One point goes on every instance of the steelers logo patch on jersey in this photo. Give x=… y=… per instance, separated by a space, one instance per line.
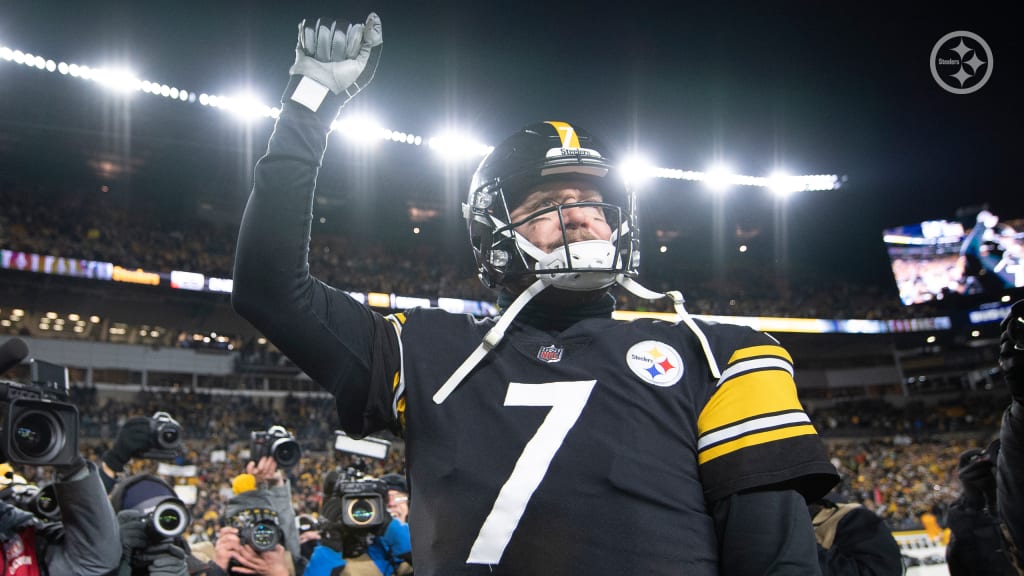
x=655 y=362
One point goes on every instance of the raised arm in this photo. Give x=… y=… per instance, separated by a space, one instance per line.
x=326 y=333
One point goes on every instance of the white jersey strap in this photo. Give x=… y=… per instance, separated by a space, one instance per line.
x=684 y=316
x=491 y=339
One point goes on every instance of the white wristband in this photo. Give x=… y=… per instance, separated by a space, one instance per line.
x=310 y=93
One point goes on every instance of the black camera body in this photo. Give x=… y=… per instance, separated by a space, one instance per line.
x=40 y=501
x=277 y=443
x=258 y=528
x=166 y=437
x=39 y=427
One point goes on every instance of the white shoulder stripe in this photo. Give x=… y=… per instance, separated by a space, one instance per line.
x=755 y=425
x=755 y=364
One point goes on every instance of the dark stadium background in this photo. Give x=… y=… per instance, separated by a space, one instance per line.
x=813 y=87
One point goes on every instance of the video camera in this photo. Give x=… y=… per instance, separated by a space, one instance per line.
x=363 y=501
x=166 y=437
x=40 y=428
x=40 y=501
x=277 y=443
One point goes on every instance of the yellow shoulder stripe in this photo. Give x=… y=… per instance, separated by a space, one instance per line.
x=764 y=350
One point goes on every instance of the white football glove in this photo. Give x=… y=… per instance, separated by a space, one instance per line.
x=339 y=56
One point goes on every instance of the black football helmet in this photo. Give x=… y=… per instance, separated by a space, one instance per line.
x=538 y=153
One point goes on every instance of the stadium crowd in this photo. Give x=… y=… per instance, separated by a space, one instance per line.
x=94 y=226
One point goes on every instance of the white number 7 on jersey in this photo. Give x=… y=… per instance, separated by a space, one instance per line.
x=567 y=400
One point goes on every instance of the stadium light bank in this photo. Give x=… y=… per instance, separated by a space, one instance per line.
x=447 y=146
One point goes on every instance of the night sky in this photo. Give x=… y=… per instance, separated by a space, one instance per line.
x=812 y=88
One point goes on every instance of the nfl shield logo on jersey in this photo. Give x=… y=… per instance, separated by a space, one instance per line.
x=550 y=353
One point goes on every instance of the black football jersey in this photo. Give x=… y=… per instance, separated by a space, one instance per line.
x=589 y=451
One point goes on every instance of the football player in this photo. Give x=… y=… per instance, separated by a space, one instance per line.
x=552 y=439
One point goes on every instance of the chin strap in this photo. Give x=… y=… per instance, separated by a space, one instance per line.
x=684 y=316
x=491 y=339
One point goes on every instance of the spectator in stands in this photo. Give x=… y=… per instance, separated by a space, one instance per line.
x=1010 y=462
x=853 y=541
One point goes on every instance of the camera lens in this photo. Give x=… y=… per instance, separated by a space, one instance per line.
x=362 y=511
x=264 y=536
x=36 y=435
x=287 y=453
x=168 y=436
x=170 y=518
x=46 y=502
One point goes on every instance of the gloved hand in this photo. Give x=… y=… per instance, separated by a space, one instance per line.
x=165 y=560
x=134 y=438
x=1011 y=358
x=161 y=559
x=338 y=56
x=133 y=532
x=977 y=475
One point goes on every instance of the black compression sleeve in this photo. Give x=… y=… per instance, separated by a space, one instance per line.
x=765 y=532
x=330 y=336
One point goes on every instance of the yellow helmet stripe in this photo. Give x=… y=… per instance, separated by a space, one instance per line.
x=568 y=134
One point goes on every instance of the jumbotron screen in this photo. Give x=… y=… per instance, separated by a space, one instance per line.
x=937 y=259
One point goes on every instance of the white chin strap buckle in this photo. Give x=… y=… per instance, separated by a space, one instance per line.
x=592 y=262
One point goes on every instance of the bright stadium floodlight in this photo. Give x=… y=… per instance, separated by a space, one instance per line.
x=454 y=146
x=450 y=146
x=117 y=79
x=718 y=178
x=783 y=185
x=246 y=105
x=359 y=129
x=636 y=171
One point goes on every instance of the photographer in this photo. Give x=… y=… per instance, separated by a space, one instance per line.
x=383 y=547
x=1010 y=462
x=84 y=542
x=278 y=488
x=153 y=521
x=251 y=539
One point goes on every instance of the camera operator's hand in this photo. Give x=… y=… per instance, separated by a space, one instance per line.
x=1011 y=358
x=265 y=471
x=330 y=534
x=246 y=560
x=165 y=560
x=133 y=439
x=337 y=56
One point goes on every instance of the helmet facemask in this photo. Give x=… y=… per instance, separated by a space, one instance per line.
x=507 y=259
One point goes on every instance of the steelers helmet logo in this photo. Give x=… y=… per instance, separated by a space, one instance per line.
x=655 y=363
